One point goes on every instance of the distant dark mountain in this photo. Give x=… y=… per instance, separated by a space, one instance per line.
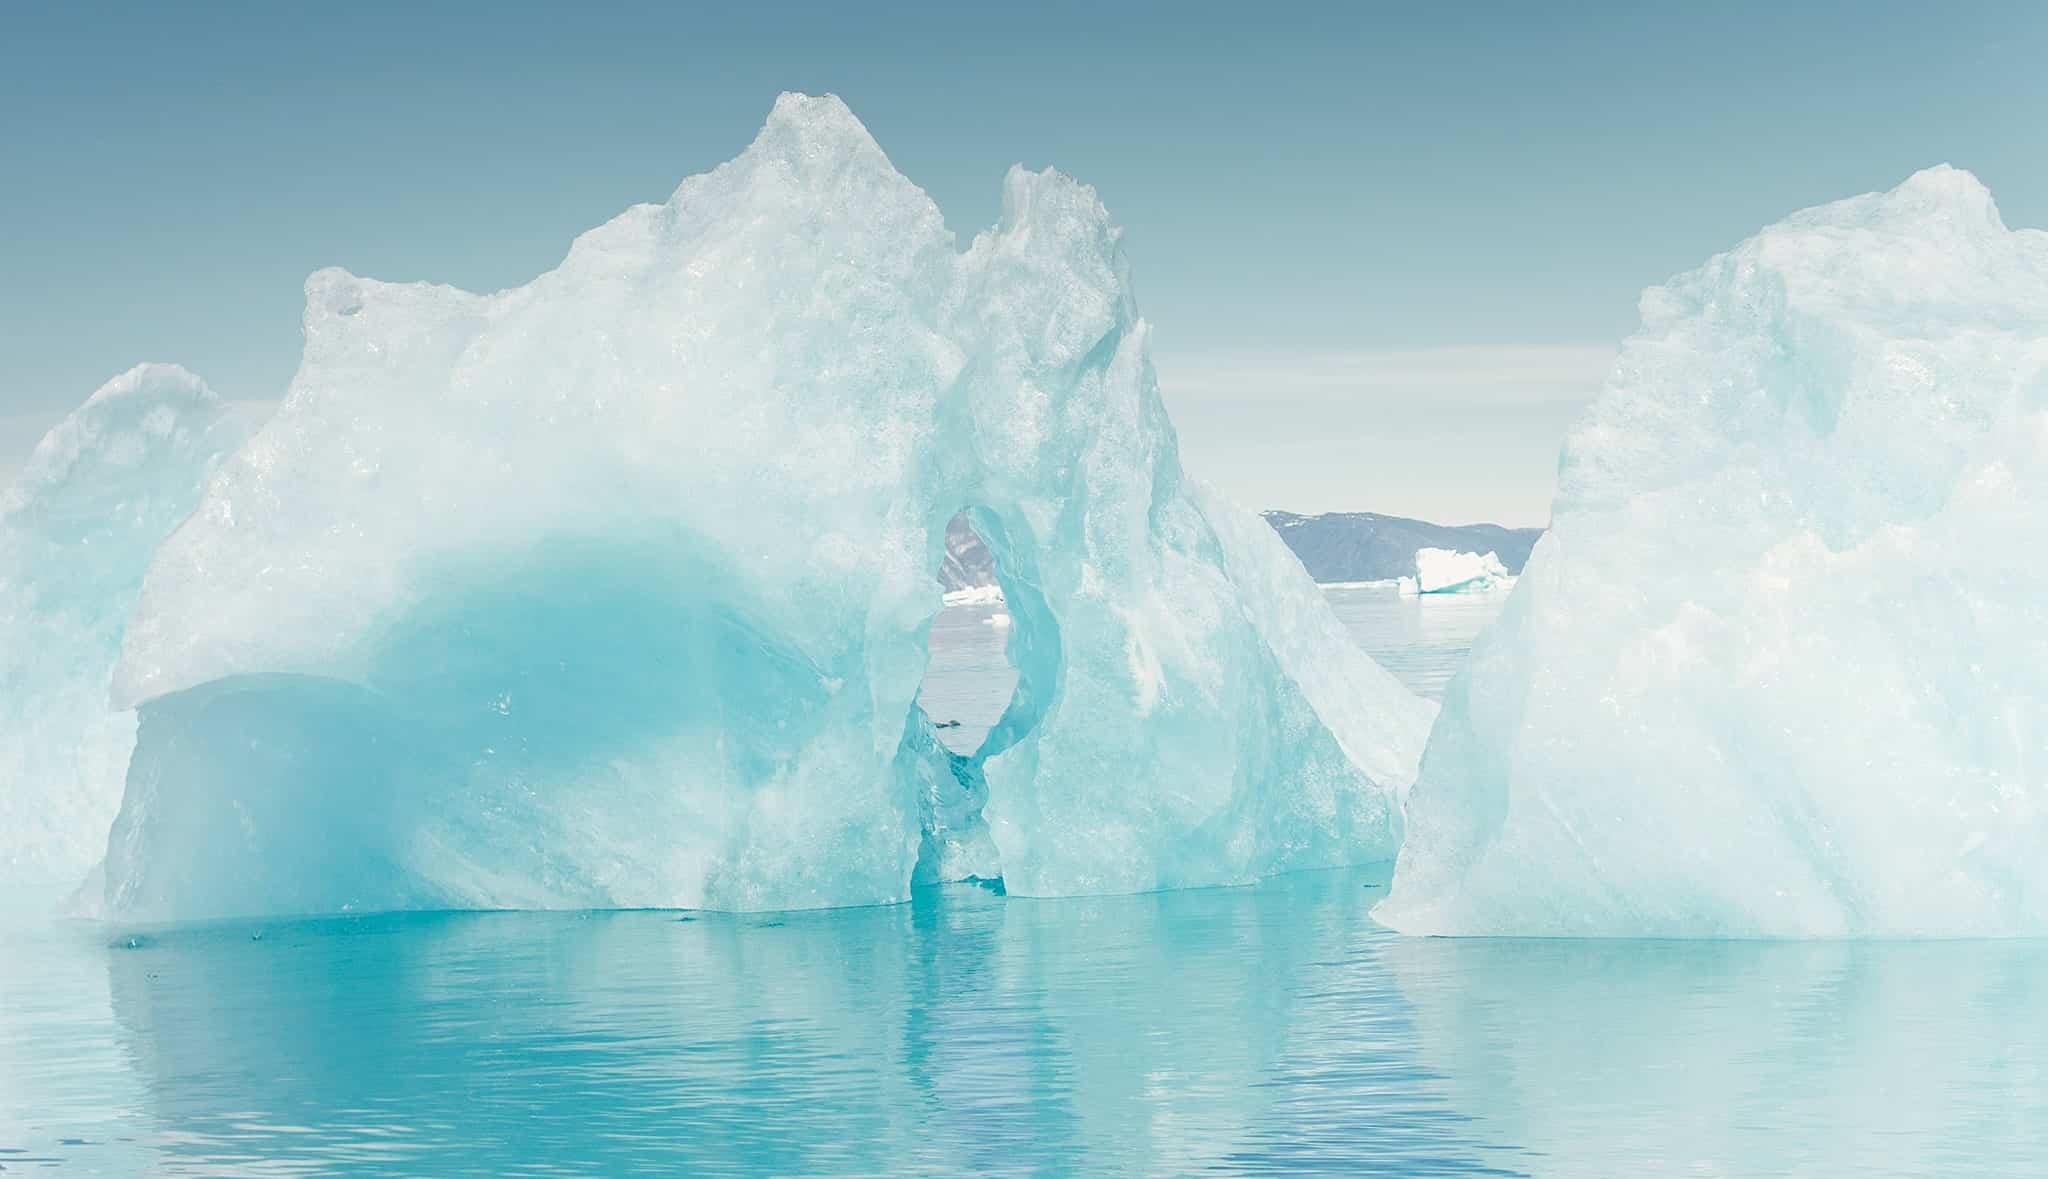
x=967 y=563
x=1365 y=546
x=1336 y=546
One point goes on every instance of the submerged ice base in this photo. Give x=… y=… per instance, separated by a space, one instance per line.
x=1777 y=669
x=612 y=589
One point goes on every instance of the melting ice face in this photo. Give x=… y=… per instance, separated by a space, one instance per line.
x=77 y=529
x=1778 y=666
x=612 y=589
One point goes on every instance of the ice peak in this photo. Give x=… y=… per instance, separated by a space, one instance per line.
x=152 y=379
x=1942 y=202
x=816 y=132
x=137 y=409
x=1948 y=192
x=1944 y=182
x=823 y=113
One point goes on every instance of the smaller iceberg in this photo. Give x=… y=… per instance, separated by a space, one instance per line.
x=1447 y=571
x=975 y=595
x=1780 y=666
x=100 y=493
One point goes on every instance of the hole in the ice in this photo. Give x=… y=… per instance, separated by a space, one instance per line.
x=969 y=680
x=993 y=666
x=1031 y=643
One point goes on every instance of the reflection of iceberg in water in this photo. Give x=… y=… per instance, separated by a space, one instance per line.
x=598 y=1043
x=961 y=1034
x=1203 y=1023
x=65 y=1070
x=1721 y=1058
x=1230 y=1031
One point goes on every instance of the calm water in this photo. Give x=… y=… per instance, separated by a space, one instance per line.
x=1256 y=1031
x=969 y=679
x=1423 y=640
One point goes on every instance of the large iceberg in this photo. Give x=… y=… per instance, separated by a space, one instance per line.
x=1780 y=666
x=77 y=529
x=612 y=589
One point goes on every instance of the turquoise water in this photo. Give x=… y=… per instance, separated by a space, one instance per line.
x=1255 y=1031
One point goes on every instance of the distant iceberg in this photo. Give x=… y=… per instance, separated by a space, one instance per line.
x=976 y=595
x=1446 y=571
x=1340 y=550
x=1366 y=548
x=1780 y=666
x=612 y=589
x=77 y=528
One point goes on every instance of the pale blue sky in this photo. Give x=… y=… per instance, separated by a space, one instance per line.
x=1386 y=247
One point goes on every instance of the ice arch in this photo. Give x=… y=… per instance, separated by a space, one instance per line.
x=612 y=589
x=1033 y=641
x=955 y=843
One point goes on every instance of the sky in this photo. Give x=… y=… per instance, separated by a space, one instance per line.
x=1387 y=250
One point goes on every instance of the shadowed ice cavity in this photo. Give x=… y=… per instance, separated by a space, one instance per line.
x=422 y=783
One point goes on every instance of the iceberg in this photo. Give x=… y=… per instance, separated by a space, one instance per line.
x=976 y=595
x=1447 y=571
x=100 y=493
x=612 y=589
x=1780 y=666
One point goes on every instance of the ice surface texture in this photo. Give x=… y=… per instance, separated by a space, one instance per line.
x=612 y=589
x=77 y=529
x=1780 y=666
